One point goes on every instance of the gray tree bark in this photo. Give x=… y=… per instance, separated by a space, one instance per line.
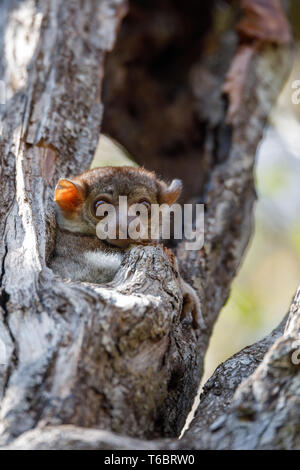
x=88 y=363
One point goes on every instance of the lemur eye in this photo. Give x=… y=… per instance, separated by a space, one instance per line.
x=98 y=204
x=146 y=203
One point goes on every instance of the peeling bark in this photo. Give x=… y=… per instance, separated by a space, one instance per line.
x=86 y=361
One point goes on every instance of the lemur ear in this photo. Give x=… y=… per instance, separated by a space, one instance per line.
x=170 y=194
x=69 y=195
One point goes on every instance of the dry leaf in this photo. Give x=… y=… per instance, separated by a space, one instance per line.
x=264 y=20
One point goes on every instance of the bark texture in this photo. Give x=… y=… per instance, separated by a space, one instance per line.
x=85 y=362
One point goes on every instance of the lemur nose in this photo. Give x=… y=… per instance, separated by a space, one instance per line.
x=122 y=228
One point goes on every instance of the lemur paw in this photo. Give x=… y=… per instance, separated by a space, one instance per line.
x=191 y=304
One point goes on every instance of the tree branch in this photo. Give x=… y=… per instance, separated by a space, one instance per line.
x=114 y=357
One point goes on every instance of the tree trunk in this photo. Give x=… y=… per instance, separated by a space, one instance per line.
x=85 y=358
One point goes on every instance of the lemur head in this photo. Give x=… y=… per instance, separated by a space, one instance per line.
x=79 y=198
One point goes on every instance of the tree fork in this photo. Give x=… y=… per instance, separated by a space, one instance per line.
x=87 y=361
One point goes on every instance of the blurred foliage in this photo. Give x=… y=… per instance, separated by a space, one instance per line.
x=294 y=236
x=294 y=17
